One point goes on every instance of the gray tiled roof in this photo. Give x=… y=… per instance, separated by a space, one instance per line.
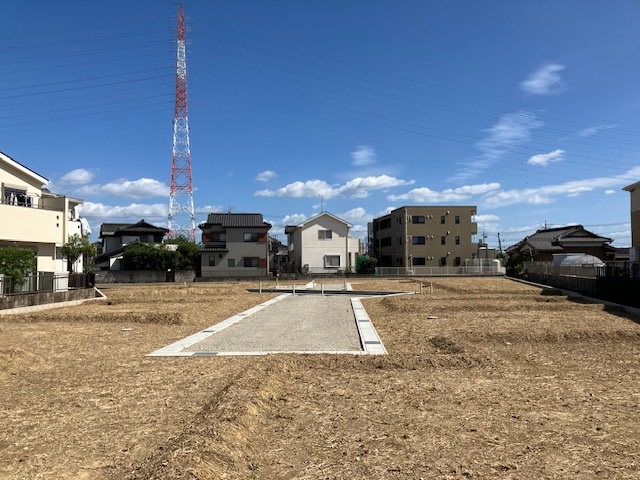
x=110 y=229
x=237 y=220
x=551 y=239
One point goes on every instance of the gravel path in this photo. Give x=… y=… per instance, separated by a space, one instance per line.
x=297 y=323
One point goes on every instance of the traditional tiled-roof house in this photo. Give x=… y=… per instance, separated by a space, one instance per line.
x=546 y=242
x=116 y=237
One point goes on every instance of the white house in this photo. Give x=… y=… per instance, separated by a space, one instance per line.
x=322 y=244
x=32 y=217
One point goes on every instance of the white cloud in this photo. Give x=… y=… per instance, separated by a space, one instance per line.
x=588 y=132
x=510 y=131
x=117 y=214
x=363 y=156
x=206 y=209
x=357 y=188
x=609 y=192
x=266 y=176
x=293 y=219
x=426 y=195
x=545 y=159
x=547 y=194
x=79 y=176
x=137 y=189
x=356 y=215
x=488 y=217
x=546 y=80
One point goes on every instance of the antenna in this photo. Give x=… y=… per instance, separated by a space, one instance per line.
x=181 y=221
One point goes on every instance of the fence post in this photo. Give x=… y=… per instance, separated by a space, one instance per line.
x=260 y=288
x=322 y=288
x=294 y=289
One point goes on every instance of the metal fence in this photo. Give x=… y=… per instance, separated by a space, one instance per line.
x=46 y=282
x=611 y=269
x=439 y=271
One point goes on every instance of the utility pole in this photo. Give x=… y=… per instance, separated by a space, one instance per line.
x=499 y=243
x=181 y=220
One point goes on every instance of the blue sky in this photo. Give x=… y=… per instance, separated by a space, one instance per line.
x=529 y=110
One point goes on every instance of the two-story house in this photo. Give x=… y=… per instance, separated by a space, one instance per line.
x=425 y=236
x=115 y=237
x=32 y=217
x=322 y=244
x=234 y=245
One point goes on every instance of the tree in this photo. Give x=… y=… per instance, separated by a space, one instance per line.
x=366 y=265
x=76 y=247
x=515 y=263
x=17 y=263
x=187 y=251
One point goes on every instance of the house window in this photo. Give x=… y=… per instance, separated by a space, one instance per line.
x=385 y=242
x=399 y=220
x=212 y=260
x=457 y=219
x=325 y=234
x=457 y=240
x=332 y=261
x=417 y=261
x=231 y=262
x=457 y=262
x=218 y=237
x=443 y=240
x=399 y=240
x=443 y=219
x=416 y=240
x=251 y=237
x=443 y=261
x=417 y=219
x=251 y=262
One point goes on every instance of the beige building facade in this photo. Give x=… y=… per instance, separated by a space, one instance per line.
x=634 y=190
x=425 y=236
x=32 y=217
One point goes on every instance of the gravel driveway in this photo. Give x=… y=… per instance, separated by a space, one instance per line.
x=309 y=323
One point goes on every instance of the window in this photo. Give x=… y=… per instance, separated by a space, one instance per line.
x=443 y=219
x=457 y=219
x=251 y=237
x=385 y=242
x=231 y=263
x=399 y=240
x=417 y=219
x=325 y=234
x=251 y=262
x=457 y=262
x=416 y=240
x=457 y=240
x=417 y=261
x=399 y=260
x=386 y=223
x=443 y=240
x=332 y=260
x=212 y=260
x=443 y=261
x=399 y=220
x=218 y=236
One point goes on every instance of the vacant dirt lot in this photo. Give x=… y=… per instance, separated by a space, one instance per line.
x=485 y=378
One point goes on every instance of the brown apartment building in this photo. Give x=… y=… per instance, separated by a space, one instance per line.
x=425 y=236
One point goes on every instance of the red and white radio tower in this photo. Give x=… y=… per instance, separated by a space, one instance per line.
x=182 y=220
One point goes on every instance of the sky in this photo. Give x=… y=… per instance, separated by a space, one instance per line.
x=528 y=110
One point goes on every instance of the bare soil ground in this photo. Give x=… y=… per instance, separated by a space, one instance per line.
x=485 y=378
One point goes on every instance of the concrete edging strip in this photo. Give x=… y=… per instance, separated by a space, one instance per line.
x=176 y=349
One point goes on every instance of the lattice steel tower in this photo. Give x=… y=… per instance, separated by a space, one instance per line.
x=182 y=220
